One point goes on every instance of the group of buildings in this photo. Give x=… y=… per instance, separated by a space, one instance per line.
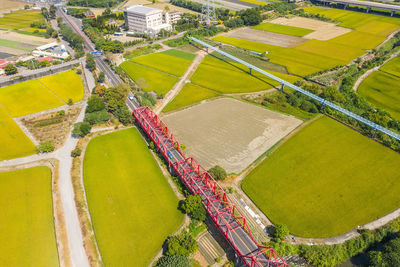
x=141 y=19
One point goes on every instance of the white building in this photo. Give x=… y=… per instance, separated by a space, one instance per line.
x=143 y=19
x=172 y=17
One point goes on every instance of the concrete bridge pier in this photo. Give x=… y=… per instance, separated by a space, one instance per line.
x=345 y=7
x=281 y=89
x=250 y=71
x=392 y=13
x=368 y=9
x=374 y=133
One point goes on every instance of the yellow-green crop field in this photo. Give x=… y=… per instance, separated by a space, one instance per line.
x=297 y=61
x=132 y=206
x=172 y=61
x=315 y=55
x=326 y=180
x=392 y=67
x=256 y=2
x=65 y=85
x=190 y=94
x=27 y=226
x=13 y=142
x=354 y=20
x=383 y=90
x=149 y=79
x=283 y=29
x=41 y=94
x=20 y=19
x=229 y=77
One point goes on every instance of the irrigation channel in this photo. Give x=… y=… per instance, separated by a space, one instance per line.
x=323 y=102
x=220 y=208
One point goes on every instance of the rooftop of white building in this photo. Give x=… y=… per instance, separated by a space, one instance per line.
x=142 y=9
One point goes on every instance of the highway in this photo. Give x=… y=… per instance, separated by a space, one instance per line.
x=366 y=4
x=112 y=78
x=218 y=205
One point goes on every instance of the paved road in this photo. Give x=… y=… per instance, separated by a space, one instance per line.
x=393 y=8
x=76 y=25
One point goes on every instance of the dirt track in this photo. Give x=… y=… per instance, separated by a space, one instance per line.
x=265 y=37
x=228 y=132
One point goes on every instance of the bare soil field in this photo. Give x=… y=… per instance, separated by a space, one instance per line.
x=8 y=5
x=322 y=30
x=8 y=51
x=271 y=38
x=228 y=132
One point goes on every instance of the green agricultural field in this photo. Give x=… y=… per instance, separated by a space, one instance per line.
x=13 y=142
x=383 y=90
x=392 y=67
x=27 y=227
x=326 y=180
x=172 y=62
x=20 y=19
x=149 y=79
x=230 y=77
x=132 y=206
x=297 y=61
x=284 y=29
x=190 y=94
x=73 y=88
x=354 y=20
x=330 y=50
x=357 y=39
x=27 y=97
x=41 y=94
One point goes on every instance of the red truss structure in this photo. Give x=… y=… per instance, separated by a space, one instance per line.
x=220 y=208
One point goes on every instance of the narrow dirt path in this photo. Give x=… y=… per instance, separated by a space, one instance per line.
x=179 y=85
x=368 y=72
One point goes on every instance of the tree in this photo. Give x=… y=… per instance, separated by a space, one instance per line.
x=90 y=63
x=76 y=152
x=45 y=13
x=81 y=129
x=173 y=261
x=27 y=7
x=166 y=8
x=101 y=77
x=45 y=147
x=281 y=231
x=375 y=258
x=182 y=245
x=217 y=172
x=52 y=11
x=251 y=17
x=97 y=117
x=10 y=69
x=70 y=102
x=95 y=103
x=194 y=207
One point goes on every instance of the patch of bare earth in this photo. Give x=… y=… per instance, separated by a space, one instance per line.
x=271 y=38
x=58 y=128
x=228 y=132
x=25 y=39
x=8 y=5
x=322 y=30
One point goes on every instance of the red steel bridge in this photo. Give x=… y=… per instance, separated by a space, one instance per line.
x=220 y=209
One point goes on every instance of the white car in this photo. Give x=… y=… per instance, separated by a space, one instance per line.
x=131 y=97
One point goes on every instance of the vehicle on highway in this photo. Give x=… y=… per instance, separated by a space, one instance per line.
x=169 y=155
x=131 y=97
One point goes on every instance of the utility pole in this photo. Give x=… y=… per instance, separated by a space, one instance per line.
x=207 y=13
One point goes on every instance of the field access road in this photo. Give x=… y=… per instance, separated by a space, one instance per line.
x=182 y=81
x=63 y=155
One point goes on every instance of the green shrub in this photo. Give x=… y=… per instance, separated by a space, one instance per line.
x=173 y=261
x=194 y=207
x=97 y=117
x=182 y=245
x=81 y=129
x=76 y=152
x=48 y=122
x=217 y=172
x=61 y=113
x=45 y=147
x=95 y=103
